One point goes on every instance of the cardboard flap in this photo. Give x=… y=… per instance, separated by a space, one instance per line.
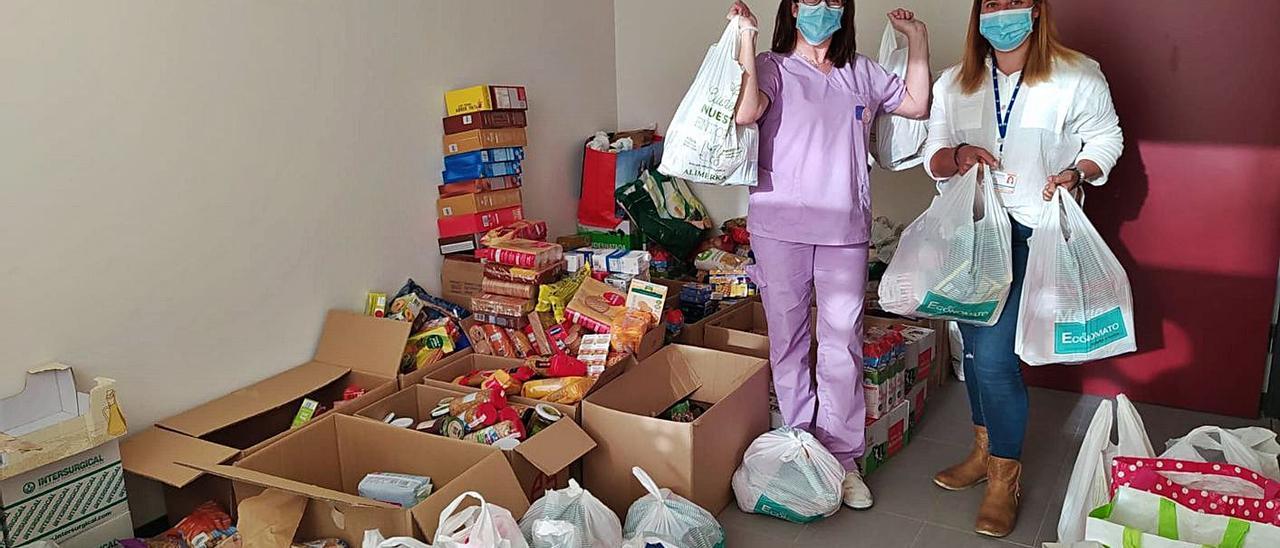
x=48 y=398
x=652 y=386
x=154 y=453
x=254 y=400
x=556 y=447
x=268 y=481
x=682 y=381
x=363 y=343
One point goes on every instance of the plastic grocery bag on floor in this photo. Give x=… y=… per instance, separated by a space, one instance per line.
x=789 y=475
x=550 y=533
x=665 y=518
x=897 y=142
x=955 y=261
x=1139 y=519
x=594 y=524
x=1254 y=448
x=1090 y=483
x=704 y=142
x=1076 y=304
x=483 y=526
x=373 y=539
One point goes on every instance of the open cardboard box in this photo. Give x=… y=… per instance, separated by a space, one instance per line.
x=326 y=460
x=745 y=330
x=444 y=375
x=692 y=334
x=541 y=462
x=354 y=350
x=695 y=460
x=60 y=473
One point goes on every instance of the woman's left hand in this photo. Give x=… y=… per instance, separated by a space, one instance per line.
x=1068 y=180
x=904 y=21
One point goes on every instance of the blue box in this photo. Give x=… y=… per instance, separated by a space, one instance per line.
x=488 y=156
x=481 y=171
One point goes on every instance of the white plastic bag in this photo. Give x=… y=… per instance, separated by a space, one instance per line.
x=789 y=475
x=1254 y=448
x=955 y=261
x=550 y=533
x=483 y=526
x=957 y=349
x=595 y=524
x=897 y=141
x=669 y=519
x=1076 y=303
x=704 y=142
x=1090 y=483
x=373 y=539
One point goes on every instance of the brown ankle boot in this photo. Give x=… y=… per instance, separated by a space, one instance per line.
x=999 y=511
x=971 y=471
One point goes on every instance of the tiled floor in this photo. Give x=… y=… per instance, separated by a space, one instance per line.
x=911 y=512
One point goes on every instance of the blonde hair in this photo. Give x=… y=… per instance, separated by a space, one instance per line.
x=1046 y=50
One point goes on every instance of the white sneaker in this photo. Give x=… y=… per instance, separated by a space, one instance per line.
x=855 y=492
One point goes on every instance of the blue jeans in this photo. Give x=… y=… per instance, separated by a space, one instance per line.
x=992 y=373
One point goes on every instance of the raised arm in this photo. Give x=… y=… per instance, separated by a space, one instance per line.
x=751 y=101
x=915 y=104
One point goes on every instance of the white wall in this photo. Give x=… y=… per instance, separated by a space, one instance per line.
x=186 y=187
x=662 y=42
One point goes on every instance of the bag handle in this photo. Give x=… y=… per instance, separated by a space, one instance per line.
x=647 y=482
x=1167 y=519
x=1237 y=531
x=453 y=506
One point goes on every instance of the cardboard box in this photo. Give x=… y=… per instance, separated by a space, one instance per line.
x=460 y=278
x=102 y=535
x=479 y=139
x=745 y=330
x=493 y=119
x=885 y=438
x=467 y=225
x=485 y=98
x=479 y=185
x=695 y=460
x=326 y=460
x=475 y=203
x=60 y=472
x=940 y=361
x=918 y=399
x=354 y=350
x=443 y=376
x=542 y=462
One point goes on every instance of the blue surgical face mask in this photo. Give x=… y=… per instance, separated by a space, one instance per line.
x=1006 y=30
x=818 y=23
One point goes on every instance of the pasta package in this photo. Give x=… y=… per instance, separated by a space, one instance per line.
x=565 y=390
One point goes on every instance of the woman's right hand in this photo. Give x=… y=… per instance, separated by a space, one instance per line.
x=740 y=9
x=968 y=156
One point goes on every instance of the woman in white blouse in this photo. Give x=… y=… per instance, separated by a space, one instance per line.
x=1039 y=116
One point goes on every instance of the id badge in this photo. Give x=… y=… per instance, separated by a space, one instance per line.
x=1005 y=182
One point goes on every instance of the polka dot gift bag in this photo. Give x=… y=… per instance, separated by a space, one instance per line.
x=1209 y=488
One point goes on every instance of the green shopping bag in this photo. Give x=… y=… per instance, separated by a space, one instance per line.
x=1137 y=519
x=665 y=211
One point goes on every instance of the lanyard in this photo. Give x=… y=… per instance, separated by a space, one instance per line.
x=1002 y=121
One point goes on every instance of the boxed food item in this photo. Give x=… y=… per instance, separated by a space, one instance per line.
x=525 y=229
x=479 y=185
x=886 y=437
x=354 y=351
x=501 y=320
x=487 y=156
x=501 y=304
x=481 y=171
x=485 y=98
x=695 y=459
x=918 y=400
x=535 y=276
x=493 y=119
x=465 y=225
x=466 y=244
x=461 y=277
x=596 y=305
x=325 y=462
x=540 y=462
x=520 y=252
x=60 y=473
x=478 y=139
x=474 y=203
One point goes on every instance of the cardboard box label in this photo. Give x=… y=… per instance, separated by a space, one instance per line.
x=59 y=500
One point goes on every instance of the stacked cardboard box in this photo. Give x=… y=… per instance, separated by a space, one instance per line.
x=484 y=154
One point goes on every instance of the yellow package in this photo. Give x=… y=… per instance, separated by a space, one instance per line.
x=628 y=329
x=565 y=390
x=555 y=297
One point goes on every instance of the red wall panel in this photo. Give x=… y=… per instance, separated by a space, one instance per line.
x=1193 y=209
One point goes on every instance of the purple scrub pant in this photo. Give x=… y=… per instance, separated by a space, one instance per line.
x=833 y=409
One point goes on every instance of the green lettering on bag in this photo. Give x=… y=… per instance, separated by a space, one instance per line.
x=1083 y=338
x=768 y=507
x=938 y=306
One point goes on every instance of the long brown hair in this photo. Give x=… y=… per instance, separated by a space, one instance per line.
x=844 y=44
x=1046 y=49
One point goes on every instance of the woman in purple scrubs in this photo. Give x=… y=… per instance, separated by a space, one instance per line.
x=815 y=99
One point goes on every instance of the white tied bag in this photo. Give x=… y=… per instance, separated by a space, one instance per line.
x=704 y=143
x=1076 y=302
x=789 y=475
x=1254 y=448
x=1090 y=483
x=665 y=517
x=955 y=261
x=897 y=141
x=482 y=526
x=595 y=525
